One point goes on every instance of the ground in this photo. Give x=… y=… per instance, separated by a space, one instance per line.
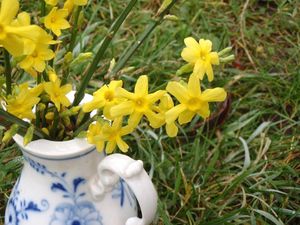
x=241 y=166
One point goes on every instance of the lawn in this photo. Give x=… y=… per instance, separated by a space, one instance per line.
x=242 y=165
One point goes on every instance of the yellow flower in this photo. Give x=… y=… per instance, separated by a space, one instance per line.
x=199 y=55
x=192 y=101
x=113 y=135
x=94 y=135
x=11 y=36
x=69 y=4
x=21 y=105
x=51 y=2
x=57 y=93
x=99 y=134
x=138 y=104
x=104 y=97
x=56 y=20
x=36 y=60
x=166 y=103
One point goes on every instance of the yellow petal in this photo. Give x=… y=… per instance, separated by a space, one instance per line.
x=9 y=9
x=214 y=58
x=191 y=43
x=13 y=44
x=206 y=46
x=214 y=95
x=209 y=71
x=124 y=108
x=178 y=90
x=122 y=93
x=172 y=114
x=190 y=55
x=134 y=119
x=155 y=120
x=141 y=86
x=92 y=105
x=115 y=83
x=171 y=129
x=99 y=146
x=186 y=117
x=122 y=144
x=110 y=147
x=26 y=63
x=39 y=65
x=194 y=85
x=126 y=130
x=199 y=69
x=23 y=19
x=154 y=97
x=204 y=111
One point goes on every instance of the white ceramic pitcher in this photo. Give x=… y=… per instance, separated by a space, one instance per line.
x=70 y=183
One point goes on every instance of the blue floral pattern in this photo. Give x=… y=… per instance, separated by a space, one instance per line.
x=123 y=192
x=19 y=209
x=75 y=210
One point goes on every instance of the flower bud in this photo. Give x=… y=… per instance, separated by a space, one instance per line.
x=10 y=133
x=227 y=59
x=171 y=18
x=224 y=51
x=28 y=136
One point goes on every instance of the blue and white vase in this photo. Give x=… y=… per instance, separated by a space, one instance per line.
x=70 y=183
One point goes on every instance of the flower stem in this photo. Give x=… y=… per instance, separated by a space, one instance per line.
x=15 y=120
x=105 y=43
x=84 y=126
x=7 y=72
x=132 y=48
x=75 y=29
x=43 y=7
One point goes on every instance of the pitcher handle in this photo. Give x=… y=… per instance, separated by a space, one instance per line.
x=114 y=166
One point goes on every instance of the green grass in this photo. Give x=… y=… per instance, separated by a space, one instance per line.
x=244 y=170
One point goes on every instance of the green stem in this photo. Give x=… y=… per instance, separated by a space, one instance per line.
x=105 y=43
x=132 y=48
x=7 y=72
x=84 y=126
x=15 y=120
x=55 y=124
x=74 y=30
x=43 y=8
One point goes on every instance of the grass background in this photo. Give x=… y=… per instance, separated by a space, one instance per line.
x=241 y=167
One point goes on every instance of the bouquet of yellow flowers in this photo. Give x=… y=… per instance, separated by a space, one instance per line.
x=41 y=108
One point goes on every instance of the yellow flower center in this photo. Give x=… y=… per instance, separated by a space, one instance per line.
x=193 y=104
x=140 y=104
x=109 y=96
x=34 y=54
x=53 y=20
x=2 y=32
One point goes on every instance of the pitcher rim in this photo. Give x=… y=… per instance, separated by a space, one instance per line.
x=48 y=149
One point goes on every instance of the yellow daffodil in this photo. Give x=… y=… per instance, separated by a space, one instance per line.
x=11 y=36
x=104 y=97
x=21 y=105
x=36 y=60
x=69 y=4
x=51 y=2
x=101 y=133
x=200 y=56
x=57 y=93
x=166 y=103
x=192 y=101
x=56 y=20
x=113 y=135
x=138 y=104
x=94 y=136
